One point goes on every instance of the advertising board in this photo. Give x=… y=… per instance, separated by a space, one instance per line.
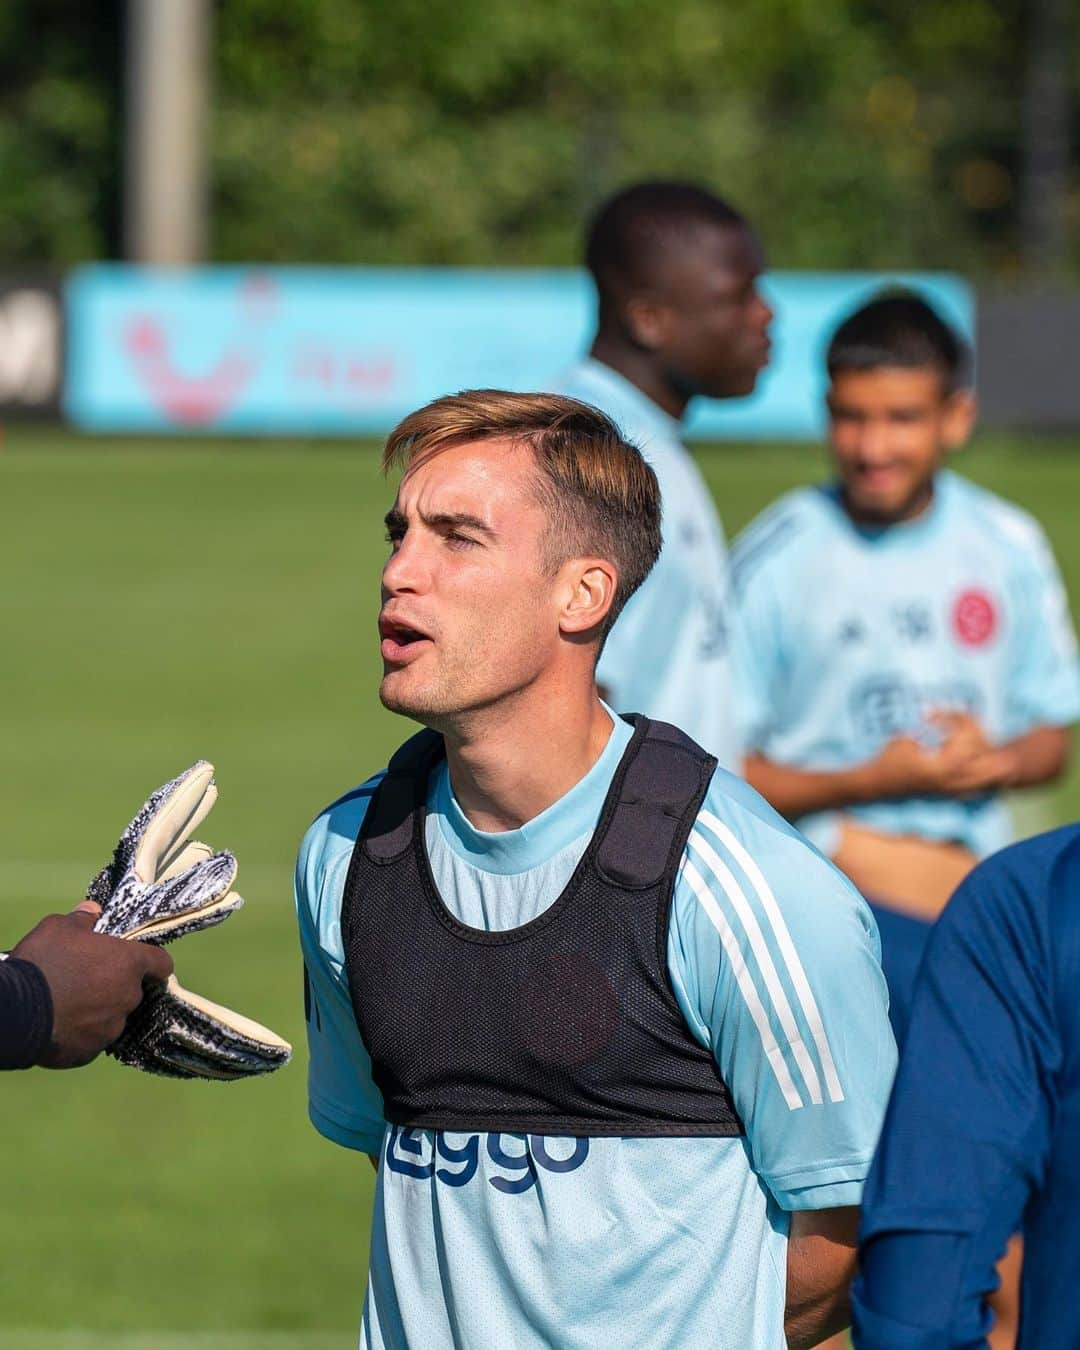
x=348 y=351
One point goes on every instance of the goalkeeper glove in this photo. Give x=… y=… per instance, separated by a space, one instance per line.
x=158 y=887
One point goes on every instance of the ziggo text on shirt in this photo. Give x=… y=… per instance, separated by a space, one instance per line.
x=455 y=1164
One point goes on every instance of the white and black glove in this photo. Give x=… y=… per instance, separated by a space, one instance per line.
x=159 y=887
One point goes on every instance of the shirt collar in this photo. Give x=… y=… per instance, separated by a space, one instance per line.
x=564 y=821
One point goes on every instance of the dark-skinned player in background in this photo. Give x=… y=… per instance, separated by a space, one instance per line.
x=680 y=315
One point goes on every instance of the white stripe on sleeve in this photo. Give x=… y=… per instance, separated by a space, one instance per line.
x=787 y=949
x=745 y=984
x=762 y=955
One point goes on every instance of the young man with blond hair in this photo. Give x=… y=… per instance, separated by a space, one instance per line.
x=615 y=1036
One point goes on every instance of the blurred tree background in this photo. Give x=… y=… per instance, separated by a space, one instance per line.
x=857 y=133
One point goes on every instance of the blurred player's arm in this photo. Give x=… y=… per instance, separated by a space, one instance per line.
x=796 y=792
x=1040 y=756
x=963 y=763
x=820 y=1267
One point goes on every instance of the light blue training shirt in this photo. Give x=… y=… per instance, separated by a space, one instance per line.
x=849 y=636
x=494 y=1240
x=668 y=654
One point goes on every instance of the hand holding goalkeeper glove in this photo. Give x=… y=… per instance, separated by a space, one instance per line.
x=159 y=887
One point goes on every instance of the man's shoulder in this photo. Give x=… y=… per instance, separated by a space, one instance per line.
x=732 y=799
x=1010 y=527
x=640 y=420
x=739 y=835
x=1031 y=875
x=1014 y=920
x=575 y=380
x=330 y=837
x=758 y=909
x=776 y=539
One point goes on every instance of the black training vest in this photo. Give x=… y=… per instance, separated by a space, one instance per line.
x=564 y=1026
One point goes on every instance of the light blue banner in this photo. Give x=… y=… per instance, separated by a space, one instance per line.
x=349 y=351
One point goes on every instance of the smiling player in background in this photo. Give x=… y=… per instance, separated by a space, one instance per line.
x=905 y=650
x=680 y=316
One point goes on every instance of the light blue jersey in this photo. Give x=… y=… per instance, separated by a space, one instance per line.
x=495 y=1240
x=667 y=656
x=847 y=637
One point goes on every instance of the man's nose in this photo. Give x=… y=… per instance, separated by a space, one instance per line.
x=405 y=569
x=873 y=437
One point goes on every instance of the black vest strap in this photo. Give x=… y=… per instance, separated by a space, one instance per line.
x=645 y=835
x=392 y=814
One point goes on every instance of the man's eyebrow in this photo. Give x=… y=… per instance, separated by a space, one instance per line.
x=452 y=520
x=444 y=520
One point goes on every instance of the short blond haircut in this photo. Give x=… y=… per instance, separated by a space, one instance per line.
x=601 y=497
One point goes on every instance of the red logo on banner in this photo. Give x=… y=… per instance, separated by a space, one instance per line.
x=193 y=400
x=974 y=618
x=199 y=400
x=327 y=374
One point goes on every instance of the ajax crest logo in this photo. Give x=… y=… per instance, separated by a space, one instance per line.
x=974 y=617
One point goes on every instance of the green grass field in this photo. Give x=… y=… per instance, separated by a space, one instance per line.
x=162 y=602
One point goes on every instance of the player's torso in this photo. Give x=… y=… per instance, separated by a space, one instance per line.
x=486 y=1239
x=1052 y=1239
x=880 y=631
x=679 y=619
x=1052 y=1234
x=691 y=573
x=489 y=1240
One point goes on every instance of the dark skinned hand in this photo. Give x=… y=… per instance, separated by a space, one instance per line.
x=96 y=982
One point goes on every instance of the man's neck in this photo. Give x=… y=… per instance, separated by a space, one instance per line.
x=511 y=762
x=639 y=368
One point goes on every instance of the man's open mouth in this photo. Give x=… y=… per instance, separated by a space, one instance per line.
x=400 y=640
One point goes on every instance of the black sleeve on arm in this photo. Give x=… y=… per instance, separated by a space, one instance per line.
x=26 y=1014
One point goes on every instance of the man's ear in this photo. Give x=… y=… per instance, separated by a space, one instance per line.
x=589 y=593
x=961 y=412
x=646 y=321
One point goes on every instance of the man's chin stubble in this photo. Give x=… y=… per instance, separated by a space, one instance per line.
x=417 y=704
